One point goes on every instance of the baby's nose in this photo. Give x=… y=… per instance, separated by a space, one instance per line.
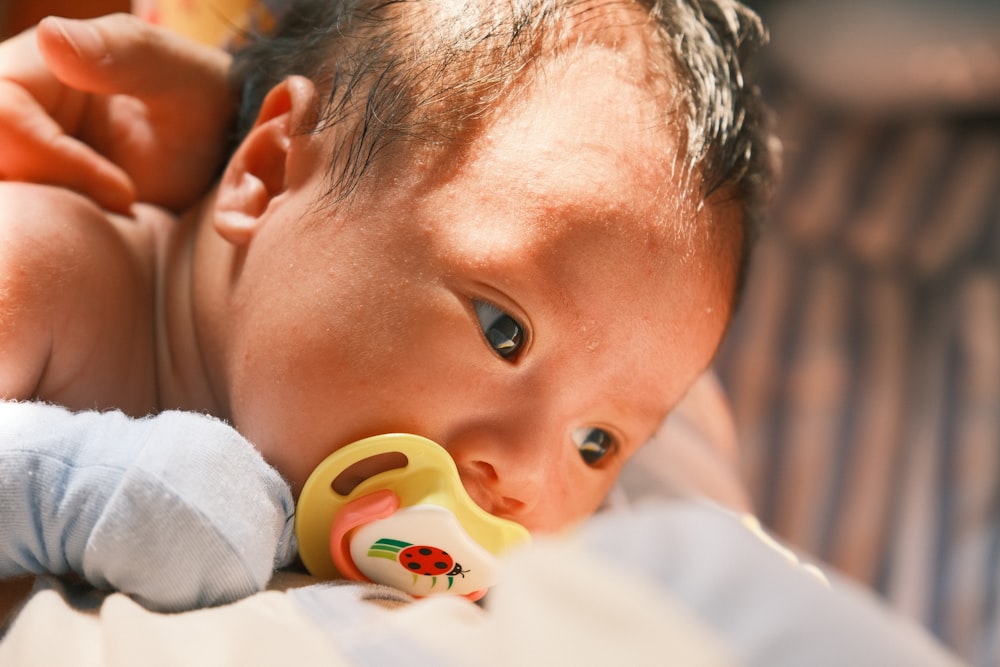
x=508 y=479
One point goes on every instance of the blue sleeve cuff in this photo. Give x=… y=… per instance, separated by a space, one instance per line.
x=177 y=509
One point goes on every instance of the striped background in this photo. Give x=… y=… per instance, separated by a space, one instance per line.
x=864 y=363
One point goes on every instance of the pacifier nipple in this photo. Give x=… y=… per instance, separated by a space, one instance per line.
x=392 y=509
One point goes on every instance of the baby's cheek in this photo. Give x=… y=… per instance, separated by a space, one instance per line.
x=563 y=510
x=285 y=448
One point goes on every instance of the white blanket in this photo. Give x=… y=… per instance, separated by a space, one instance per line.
x=674 y=583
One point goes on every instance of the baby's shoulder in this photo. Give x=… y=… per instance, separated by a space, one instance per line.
x=54 y=243
x=68 y=271
x=42 y=224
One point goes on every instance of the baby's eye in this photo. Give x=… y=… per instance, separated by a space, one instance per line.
x=593 y=443
x=504 y=334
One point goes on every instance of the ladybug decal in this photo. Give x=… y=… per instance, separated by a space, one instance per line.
x=428 y=561
x=418 y=559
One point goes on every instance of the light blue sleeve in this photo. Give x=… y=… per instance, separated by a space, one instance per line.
x=176 y=509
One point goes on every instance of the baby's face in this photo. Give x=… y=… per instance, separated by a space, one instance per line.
x=536 y=307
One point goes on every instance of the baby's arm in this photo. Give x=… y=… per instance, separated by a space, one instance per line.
x=176 y=509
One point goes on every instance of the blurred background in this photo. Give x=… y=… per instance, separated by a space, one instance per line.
x=16 y=15
x=864 y=364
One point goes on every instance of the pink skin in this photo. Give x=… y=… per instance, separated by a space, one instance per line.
x=312 y=327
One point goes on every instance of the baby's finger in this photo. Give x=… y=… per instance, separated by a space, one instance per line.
x=37 y=150
x=115 y=54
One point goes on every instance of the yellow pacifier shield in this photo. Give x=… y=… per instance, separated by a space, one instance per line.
x=437 y=523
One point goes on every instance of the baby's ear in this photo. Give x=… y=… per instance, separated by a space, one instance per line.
x=258 y=169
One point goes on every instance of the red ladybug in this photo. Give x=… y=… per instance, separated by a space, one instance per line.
x=429 y=561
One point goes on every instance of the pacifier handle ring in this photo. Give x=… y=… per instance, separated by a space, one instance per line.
x=426 y=461
x=476 y=596
x=421 y=460
x=358 y=512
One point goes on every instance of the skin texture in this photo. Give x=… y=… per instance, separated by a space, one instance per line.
x=310 y=326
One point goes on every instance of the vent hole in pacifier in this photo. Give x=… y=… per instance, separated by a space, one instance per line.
x=359 y=471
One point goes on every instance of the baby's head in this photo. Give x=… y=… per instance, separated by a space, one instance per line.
x=526 y=246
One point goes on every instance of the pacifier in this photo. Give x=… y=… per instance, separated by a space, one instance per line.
x=413 y=526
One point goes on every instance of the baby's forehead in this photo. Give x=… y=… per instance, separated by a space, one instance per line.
x=452 y=73
x=582 y=155
x=543 y=42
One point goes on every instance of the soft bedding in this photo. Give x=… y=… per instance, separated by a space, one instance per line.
x=672 y=582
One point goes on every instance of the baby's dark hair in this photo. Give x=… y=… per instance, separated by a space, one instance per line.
x=399 y=71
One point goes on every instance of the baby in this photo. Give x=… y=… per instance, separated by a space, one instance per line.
x=518 y=229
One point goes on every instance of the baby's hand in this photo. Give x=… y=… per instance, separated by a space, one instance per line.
x=114 y=108
x=38 y=118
